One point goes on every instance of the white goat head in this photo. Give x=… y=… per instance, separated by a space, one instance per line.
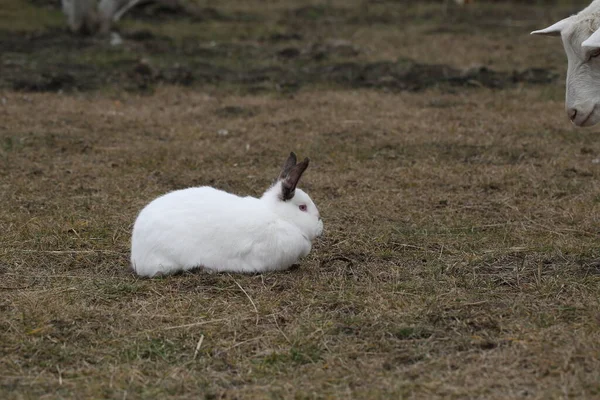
x=581 y=41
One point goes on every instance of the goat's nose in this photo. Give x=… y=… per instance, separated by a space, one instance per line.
x=572 y=112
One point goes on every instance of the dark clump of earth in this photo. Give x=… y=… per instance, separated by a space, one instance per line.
x=413 y=76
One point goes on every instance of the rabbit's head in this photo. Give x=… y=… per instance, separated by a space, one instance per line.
x=292 y=204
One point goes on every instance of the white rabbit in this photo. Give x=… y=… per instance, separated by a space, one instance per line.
x=209 y=228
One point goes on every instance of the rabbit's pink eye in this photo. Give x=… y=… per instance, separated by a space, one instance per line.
x=302 y=207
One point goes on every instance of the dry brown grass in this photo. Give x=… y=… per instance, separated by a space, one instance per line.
x=457 y=262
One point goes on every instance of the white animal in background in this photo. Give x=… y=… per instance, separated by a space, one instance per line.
x=81 y=15
x=581 y=41
x=209 y=228
x=89 y=16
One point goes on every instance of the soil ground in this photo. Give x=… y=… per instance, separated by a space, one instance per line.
x=461 y=208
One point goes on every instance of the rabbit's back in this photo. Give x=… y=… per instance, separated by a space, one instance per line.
x=207 y=227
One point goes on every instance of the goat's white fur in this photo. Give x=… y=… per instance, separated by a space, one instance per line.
x=80 y=14
x=90 y=14
x=581 y=41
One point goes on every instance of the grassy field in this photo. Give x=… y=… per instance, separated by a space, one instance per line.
x=461 y=209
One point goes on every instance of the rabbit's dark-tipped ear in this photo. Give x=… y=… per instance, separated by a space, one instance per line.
x=287 y=167
x=288 y=184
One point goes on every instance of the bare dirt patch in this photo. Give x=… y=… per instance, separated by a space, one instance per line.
x=281 y=50
x=139 y=72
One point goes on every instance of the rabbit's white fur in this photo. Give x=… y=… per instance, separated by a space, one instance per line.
x=219 y=231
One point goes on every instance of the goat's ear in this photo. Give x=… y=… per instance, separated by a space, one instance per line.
x=556 y=29
x=593 y=41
